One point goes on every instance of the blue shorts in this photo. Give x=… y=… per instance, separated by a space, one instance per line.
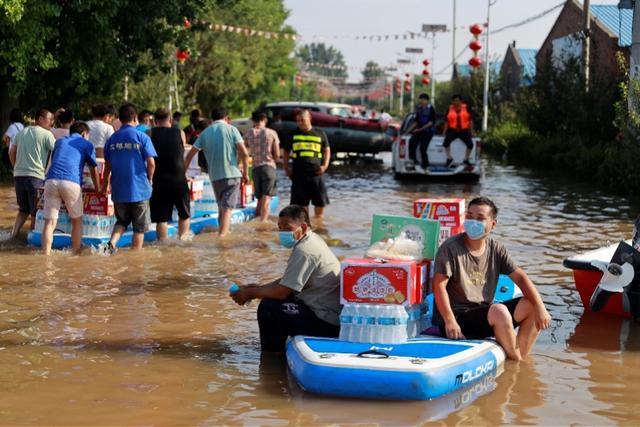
x=26 y=193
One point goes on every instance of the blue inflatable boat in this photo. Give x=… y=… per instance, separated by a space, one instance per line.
x=421 y=369
x=203 y=220
x=63 y=240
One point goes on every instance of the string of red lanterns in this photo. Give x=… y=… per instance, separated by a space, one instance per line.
x=475 y=45
x=426 y=73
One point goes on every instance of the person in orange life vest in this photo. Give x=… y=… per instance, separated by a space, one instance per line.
x=458 y=124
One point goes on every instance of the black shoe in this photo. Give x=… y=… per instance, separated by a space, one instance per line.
x=466 y=162
x=449 y=161
x=108 y=249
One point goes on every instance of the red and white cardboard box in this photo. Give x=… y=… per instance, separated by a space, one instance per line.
x=446 y=232
x=87 y=183
x=196 y=189
x=376 y=281
x=97 y=204
x=246 y=194
x=449 y=212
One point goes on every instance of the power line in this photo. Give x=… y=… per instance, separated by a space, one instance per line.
x=517 y=24
x=528 y=20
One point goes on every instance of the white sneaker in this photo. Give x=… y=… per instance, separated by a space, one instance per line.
x=419 y=169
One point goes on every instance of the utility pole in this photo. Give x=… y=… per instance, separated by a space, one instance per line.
x=485 y=96
x=453 y=48
x=586 y=47
x=634 y=57
x=433 y=75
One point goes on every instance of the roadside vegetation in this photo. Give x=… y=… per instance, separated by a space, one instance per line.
x=556 y=125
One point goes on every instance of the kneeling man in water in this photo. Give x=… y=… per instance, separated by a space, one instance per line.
x=464 y=286
x=306 y=299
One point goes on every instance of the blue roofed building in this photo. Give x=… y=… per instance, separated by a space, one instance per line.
x=465 y=70
x=518 y=68
x=610 y=33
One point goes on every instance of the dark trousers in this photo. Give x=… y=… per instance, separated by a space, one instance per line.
x=280 y=319
x=422 y=140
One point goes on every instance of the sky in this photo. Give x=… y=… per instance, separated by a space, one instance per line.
x=338 y=22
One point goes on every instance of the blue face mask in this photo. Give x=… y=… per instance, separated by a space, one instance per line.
x=287 y=238
x=474 y=229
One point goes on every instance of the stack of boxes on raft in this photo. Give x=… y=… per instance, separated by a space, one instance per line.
x=384 y=294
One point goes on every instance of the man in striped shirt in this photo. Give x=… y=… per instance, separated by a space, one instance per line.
x=309 y=149
x=264 y=146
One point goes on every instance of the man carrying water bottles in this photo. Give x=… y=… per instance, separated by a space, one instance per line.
x=306 y=299
x=464 y=285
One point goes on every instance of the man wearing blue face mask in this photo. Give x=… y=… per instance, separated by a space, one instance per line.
x=306 y=299
x=466 y=275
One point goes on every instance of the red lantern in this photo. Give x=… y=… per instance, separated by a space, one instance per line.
x=182 y=55
x=475 y=62
x=407 y=86
x=476 y=29
x=426 y=81
x=398 y=86
x=425 y=72
x=187 y=23
x=426 y=62
x=475 y=45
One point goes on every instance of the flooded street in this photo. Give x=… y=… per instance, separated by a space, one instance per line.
x=152 y=338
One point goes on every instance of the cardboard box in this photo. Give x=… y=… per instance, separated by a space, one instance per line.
x=375 y=281
x=87 y=183
x=446 y=232
x=449 y=212
x=424 y=231
x=97 y=204
x=196 y=189
x=246 y=194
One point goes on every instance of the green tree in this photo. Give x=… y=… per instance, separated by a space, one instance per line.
x=325 y=60
x=235 y=70
x=60 y=52
x=372 y=72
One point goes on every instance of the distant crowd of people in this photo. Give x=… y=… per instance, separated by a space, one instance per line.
x=145 y=166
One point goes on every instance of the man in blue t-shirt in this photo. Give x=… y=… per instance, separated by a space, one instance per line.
x=63 y=181
x=422 y=131
x=129 y=162
x=223 y=147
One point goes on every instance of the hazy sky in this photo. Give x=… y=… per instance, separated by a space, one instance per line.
x=349 y=18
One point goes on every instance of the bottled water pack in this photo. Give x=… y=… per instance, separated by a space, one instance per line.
x=97 y=225
x=374 y=323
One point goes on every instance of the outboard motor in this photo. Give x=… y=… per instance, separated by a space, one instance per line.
x=619 y=276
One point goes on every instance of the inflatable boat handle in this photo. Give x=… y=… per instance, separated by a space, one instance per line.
x=373 y=354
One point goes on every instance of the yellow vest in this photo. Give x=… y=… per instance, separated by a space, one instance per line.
x=306 y=146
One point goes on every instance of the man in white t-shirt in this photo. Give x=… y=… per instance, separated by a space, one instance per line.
x=100 y=128
x=16 y=126
x=10 y=135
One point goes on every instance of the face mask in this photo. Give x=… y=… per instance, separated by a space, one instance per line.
x=287 y=238
x=474 y=229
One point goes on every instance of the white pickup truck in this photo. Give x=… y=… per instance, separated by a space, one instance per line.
x=403 y=167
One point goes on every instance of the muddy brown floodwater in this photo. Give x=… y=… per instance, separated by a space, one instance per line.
x=152 y=338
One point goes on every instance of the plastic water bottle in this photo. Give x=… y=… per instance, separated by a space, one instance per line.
x=400 y=322
x=355 y=324
x=385 y=323
x=369 y=322
x=346 y=322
